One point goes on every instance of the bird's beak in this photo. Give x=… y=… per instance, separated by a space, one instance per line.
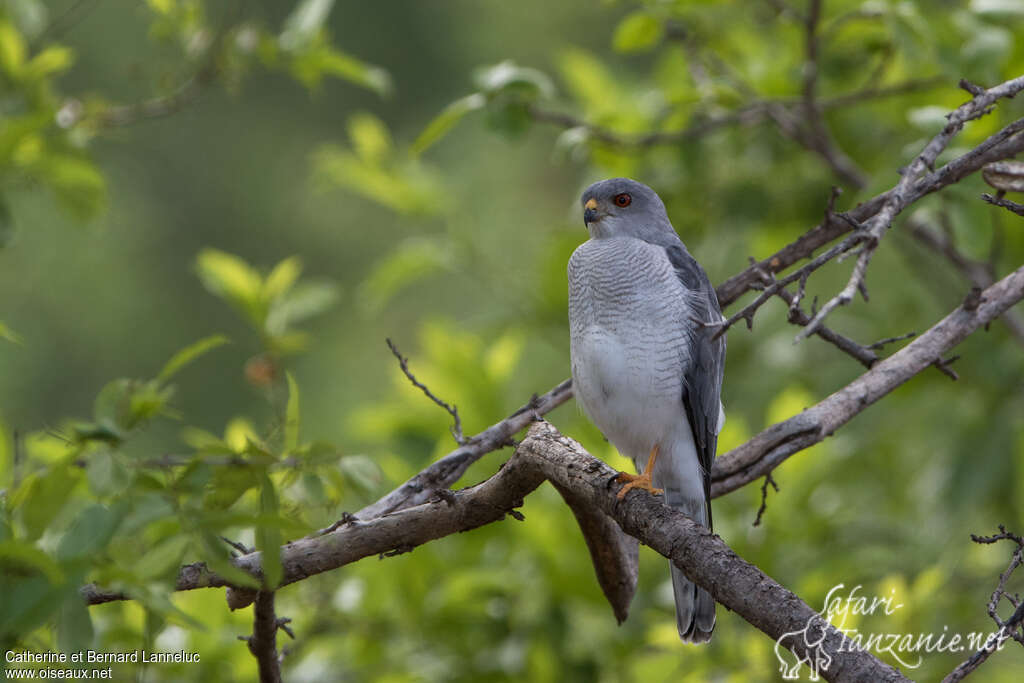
x=590 y=214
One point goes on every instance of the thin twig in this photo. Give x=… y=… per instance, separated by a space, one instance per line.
x=979 y=274
x=1005 y=203
x=764 y=496
x=889 y=340
x=1010 y=628
x=456 y=428
x=978 y=106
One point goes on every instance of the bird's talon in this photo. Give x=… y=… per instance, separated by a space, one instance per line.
x=636 y=481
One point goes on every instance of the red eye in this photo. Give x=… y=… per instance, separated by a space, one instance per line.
x=622 y=199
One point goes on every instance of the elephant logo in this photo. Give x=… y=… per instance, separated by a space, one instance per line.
x=812 y=638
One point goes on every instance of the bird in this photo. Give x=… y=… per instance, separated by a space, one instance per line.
x=647 y=364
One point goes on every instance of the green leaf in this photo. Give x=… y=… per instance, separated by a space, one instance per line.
x=508 y=76
x=21 y=556
x=361 y=471
x=164 y=7
x=446 y=120
x=107 y=474
x=370 y=137
x=282 y=277
x=113 y=404
x=305 y=300
x=304 y=23
x=323 y=60
x=12 y=49
x=77 y=184
x=637 y=32
x=291 y=419
x=164 y=558
x=314 y=488
x=228 y=485
x=268 y=536
x=50 y=61
x=88 y=534
x=232 y=279
x=9 y=334
x=219 y=561
x=189 y=354
x=349 y=68
x=41 y=497
x=74 y=625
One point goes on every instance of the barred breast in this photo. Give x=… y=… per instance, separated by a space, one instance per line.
x=629 y=320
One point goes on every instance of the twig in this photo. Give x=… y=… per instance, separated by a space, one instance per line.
x=763 y=453
x=997 y=200
x=863 y=354
x=456 y=428
x=764 y=496
x=1000 y=145
x=446 y=471
x=63 y=22
x=240 y=547
x=391 y=523
x=898 y=199
x=977 y=273
x=1011 y=628
x=183 y=95
x=753 y=112
x=889 y=340
x=263 y=641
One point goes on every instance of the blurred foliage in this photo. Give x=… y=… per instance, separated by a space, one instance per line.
x=419 y=223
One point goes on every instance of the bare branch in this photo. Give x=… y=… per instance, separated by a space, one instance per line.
x=889 y=340
x=393 y=524
x=456 y=428
x=446 y=471
x=997 y=200
x=754 y=112
x=863 y=354
x=1001 y=145
x=546 y=454
x=900 y=196
x=1011 y=628
x=263 y=641
x=979 y=274
x=767 y=450
x=764 y=497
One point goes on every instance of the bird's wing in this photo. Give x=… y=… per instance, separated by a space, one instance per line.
x=702 y=373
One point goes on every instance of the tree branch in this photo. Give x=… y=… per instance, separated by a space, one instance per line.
x=1001 y=145
x=977 y=273
x=456 y=428
x=546 y=454
x=763 y=453
x=399 y=527
x=1012 y=627
x=900 y=196
x=263 y=641
x=448 y=470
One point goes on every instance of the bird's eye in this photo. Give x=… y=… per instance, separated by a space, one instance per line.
x=622 y=199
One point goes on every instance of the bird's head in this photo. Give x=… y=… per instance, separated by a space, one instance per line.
x=621 y=207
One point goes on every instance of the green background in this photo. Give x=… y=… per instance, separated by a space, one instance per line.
x=458 y=254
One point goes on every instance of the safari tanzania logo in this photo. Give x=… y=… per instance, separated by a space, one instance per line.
x=907 y=649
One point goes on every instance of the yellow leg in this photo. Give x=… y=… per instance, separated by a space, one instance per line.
x=642 y=480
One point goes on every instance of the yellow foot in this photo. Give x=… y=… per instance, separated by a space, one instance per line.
x=640 y=481
x=636 y=481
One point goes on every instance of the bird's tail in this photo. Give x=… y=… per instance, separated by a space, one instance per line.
x=695 y=609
